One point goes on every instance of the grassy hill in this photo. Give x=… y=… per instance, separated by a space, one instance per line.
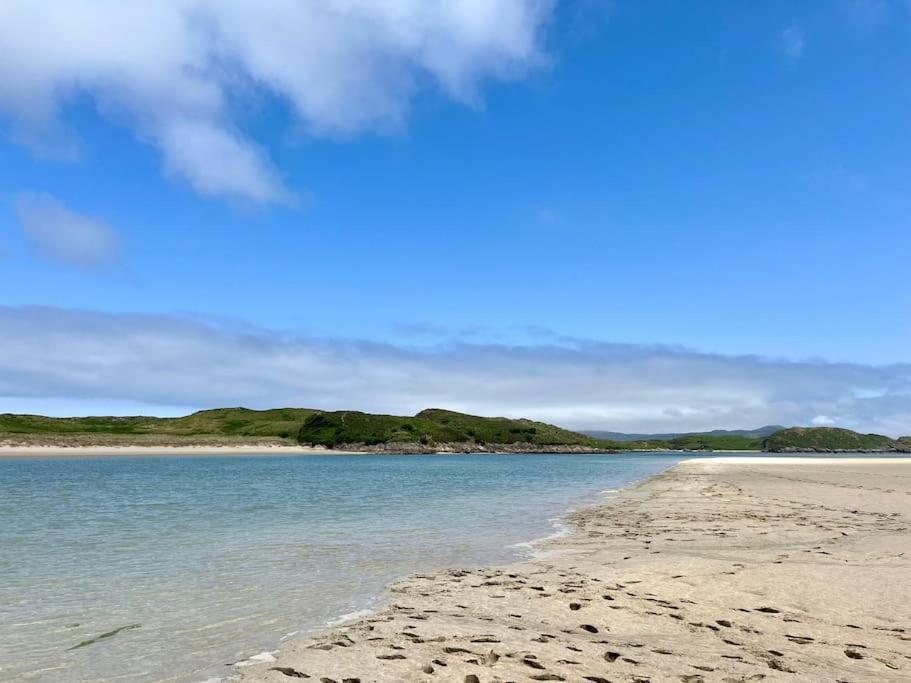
x=221 y=425
x=428 y=431
x=758 y=433
x=432 y=428
x=830 y=439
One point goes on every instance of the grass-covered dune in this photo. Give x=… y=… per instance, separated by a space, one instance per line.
x=221 y=425
x=824 y=439
x=434 y=429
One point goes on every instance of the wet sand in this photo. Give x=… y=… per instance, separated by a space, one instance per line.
x=727 y=569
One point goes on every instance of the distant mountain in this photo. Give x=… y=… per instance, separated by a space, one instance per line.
x=760 y=433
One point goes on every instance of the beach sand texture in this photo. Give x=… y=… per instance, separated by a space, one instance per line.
x=725 y=569
x=160 y=451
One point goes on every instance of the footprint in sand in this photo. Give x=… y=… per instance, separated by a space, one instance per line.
x=288 y=671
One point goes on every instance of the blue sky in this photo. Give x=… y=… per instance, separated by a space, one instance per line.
x=712 y=178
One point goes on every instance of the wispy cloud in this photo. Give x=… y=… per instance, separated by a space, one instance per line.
x=60 y=234
x=50 y=353
x=791 y=42
x=178 y=72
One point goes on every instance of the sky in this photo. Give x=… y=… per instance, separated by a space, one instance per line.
x=623 y=215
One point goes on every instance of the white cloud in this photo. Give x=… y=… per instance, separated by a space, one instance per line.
x=60 y=234
x=49 y=353
x=791 y=42
x=190 y=148
x=183 y=73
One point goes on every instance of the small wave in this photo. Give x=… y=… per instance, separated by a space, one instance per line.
x=258 y=659
x=561 y=530
x=350 y=616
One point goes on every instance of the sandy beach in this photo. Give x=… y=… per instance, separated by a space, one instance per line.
x=134 y=451
x=724 y=569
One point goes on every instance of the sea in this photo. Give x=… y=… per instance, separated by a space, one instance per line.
x=178 y=568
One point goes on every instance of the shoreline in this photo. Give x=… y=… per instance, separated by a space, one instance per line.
x=562 y=527
x=28 y=452
x=577 y=611
x=35 y=451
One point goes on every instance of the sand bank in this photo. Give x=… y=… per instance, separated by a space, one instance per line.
x=740 y=569
x=134 y=451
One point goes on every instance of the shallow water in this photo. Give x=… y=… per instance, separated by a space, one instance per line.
x=211 y=560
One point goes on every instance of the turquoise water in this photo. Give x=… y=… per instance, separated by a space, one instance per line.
x=212 y=560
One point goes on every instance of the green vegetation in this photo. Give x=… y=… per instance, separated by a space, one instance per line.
x=692 y=442
x=427 y=431
x=830 y=439
x=435 y=427
x=707 y=442
x=223 y=423
x=280 y=422
x=758 y=433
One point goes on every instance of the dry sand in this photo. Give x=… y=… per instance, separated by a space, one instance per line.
x=726 y=569
x=133 y=451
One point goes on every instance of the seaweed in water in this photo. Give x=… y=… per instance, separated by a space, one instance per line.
x=128 y=627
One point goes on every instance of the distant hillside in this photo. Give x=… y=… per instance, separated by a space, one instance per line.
x=716 y=442
x=219 y=425
x=759 y=433
x=435 y=429
x=824 y=439
x=429 y=431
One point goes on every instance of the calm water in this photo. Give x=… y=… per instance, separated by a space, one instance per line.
x=217 y=559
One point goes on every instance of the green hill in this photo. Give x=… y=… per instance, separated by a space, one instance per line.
x=830 y=439
x=428 y=431
x=280 y=422
x=433 y=428
x=221 y=425
x=758 y=433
